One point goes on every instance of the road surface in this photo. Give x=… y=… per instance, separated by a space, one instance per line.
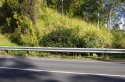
x=22 y=69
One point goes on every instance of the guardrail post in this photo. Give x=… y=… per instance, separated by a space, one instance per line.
x=28 y=52
x=7 y=52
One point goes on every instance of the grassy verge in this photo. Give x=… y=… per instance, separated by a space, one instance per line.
x=77 y=56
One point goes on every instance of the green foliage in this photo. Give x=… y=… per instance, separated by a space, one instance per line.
x=5 y=41
x=74 y=37
x=22 y=28
x=75 y=9
x=86 y=9
x=13 y=4
x=119 y=38
x=60 y=38
x=30 y=8
x=26 y=7
x=19 y=19
x=90 y=40
x=95 y=39
x=89 y=10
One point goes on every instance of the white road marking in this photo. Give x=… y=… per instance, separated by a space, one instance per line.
x=63 y=72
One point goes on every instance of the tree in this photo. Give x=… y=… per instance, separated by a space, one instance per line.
x=100 y=11
x=91 y=8
x=59 y=5
x=75 y=8
x=111 y=7
x=29 y=8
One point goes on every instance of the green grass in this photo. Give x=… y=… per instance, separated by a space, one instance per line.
x=5 y=41
x=51 y=21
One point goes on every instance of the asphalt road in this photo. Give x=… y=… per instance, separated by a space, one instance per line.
x=20 y=69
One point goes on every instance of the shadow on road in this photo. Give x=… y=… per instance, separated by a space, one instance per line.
x=15 y=62
x=15 y=75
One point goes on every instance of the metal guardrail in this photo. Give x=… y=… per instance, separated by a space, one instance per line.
x=54 y=49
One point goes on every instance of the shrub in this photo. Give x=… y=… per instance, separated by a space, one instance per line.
x=75 y=37
x=89 y=40
x=61 y=37
x=94 y=39
x=118 y=38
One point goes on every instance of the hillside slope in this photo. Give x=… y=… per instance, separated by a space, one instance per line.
x=61 y=31
x=53 y=29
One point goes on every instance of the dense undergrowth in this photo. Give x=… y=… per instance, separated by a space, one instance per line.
x=51 y=29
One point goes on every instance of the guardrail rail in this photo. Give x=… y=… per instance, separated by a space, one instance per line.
x=55 y=49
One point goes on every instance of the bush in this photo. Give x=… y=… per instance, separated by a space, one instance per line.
x=74 y=37
x=89 y=40
x=61 y=37
x=94 y=39
x=118 y=38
